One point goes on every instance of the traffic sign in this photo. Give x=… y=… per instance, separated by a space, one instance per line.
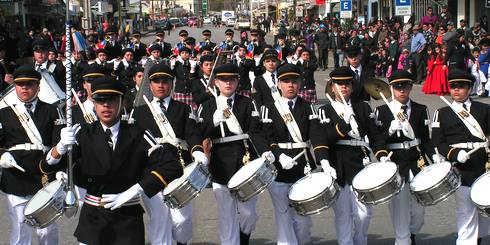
x=403 y=7
x=346 y=9
x=204 y=7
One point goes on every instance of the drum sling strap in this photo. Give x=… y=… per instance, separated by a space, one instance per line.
x=48 y=81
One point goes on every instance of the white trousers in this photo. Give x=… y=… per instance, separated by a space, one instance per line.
x=470 y=224
x=21 y=233
x=407 y=215
x=234 y=216
x=291 y=228
x=160 y=226
x=182 y=223
x=351 y=218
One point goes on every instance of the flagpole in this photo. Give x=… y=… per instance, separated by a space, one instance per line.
x=71 y=202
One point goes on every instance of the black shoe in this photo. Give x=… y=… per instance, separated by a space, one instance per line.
x=244 y=238
x=478 y=242
x=412 y=238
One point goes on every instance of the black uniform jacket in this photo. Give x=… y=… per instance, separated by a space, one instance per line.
x=179 y=115
x=418 y=119
x=346 y=159
x=276 y=131
x=261 y=92
x=12 y=133
x=199 y=94
x=358 y=92
x=226 y=158
x=244 y=68
x=307 y=69
x=448 y=129
x=183 y=77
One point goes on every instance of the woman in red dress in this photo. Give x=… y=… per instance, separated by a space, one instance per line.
x=436 y=81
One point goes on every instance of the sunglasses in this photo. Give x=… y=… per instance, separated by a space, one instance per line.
x=161 y=80
x=401 y=86
x=458 y=85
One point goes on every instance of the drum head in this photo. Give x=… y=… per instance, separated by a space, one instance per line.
x=374 y=175
x=430 y=176
x=479 y=190
x=310 y=186
x=176 y=183
x=245 y=172
x=43 y=197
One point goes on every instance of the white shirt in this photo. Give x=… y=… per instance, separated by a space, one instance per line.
x=114 y=131
x=268 y=77
x=44 y=66
x=34 y=103
x=166 y=102
x=284 y=102
x=224 y=100
x=467 y=103
x=398 y=106
x=359 y=68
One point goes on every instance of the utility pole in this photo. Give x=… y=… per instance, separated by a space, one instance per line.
x=142 y=20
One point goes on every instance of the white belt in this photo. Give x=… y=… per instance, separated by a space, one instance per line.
x=403 y=145
x=95 y=201
x=293 y=145
x=176 y=142
x=230 y=138
x=352 y=143
x=467 y=145
x=29 y=147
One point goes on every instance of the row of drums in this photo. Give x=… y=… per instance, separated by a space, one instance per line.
x=376 y=184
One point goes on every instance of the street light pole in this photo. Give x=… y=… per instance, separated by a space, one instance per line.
x=142 y=20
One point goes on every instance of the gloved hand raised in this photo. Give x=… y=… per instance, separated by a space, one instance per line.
x=67 y=137
x=218 y=117
x=286 y=161
x=463 y=156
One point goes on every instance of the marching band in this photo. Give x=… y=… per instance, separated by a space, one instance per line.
x=246 y=115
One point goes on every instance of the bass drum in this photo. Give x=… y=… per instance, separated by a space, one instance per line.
x=479 y=194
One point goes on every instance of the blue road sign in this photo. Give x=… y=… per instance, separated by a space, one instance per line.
x=346 y=5
x=403 y=2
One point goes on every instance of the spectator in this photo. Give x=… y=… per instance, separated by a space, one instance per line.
x=429 y=18
x=450 y=33
x=436 y=81
x=416 y=48
x=458 y=52
x=322 y=41
x=440 y=35
x=428 y=33
x=444 y=16
x=393 y=51
x=480 y=78
x=404 y=61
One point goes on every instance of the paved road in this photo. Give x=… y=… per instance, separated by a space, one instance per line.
x=439 y=220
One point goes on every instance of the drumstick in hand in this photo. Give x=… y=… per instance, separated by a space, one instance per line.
x=15 y=165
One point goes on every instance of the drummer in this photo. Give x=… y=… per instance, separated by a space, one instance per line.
x=236 y=219
x=286 y=143
x=90 y=73
x=409 y=141
x=180 y=122
x=120 y=162
x=261 y=91
x=347 y=153
x=23 y=145
x=455 y=138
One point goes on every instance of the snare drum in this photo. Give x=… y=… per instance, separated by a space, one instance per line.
x=479 y=194
x=252 y=179
x=377 y=183
x=182 y=190
x=46 y=206
x=435 y=183
x=313 y=194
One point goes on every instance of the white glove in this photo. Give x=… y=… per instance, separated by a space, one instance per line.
x=286 y=161
x=116 y=63
x=463 y=156
x=193 y=65
x=114 y=201
x=218 y=117
x=8 y=161
x=348 y=114
x=199 y=156
x=269 y=156
x=61 y=176
x=437 y=158
x=395 y=126
x=172 y=64
x=67 y=137
x=328 y=169
x=384 y=159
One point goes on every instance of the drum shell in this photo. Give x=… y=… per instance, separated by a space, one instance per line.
x=440 y=191
x=382 y=193
x=318 y=203
x=189 y=189
x=256 y=183
x=483 y=209
x=49 y=212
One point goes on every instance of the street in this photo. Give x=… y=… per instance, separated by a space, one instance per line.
x=439 y=227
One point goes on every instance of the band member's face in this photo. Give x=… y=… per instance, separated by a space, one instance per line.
x=184 y=55
x=102 y=57
x=76 y=55
x=270 y=65
x=51 y=56
x=40 y=56
x=182 y=37
x=160 y=37
x=227 y=85
x=138 y=78
x=206 y=37
x=280 y=41
x=242 y=52
x=354 y=60
x=459 y=91
x=155 y=54
x=401 y=92
x=108 y=110
x=305 y=56
x=128 y=56
x=88 y=87
x=345 y=88
x=205 y=52
x=229 y=37
x=289 y=88
x=161 y=88
x=206 y=67
x=26 y=91
x=136 y=38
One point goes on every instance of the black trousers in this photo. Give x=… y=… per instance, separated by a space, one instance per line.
x=323 y=57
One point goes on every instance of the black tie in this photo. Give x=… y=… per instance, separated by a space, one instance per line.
x=464 y=106
x=273 y=78
x=38 y=68
x=108 y=135
x=357 y=75
x=29 y=108
x=290 y=104
x=162 y=106
x=229 y=101
x=404 y=109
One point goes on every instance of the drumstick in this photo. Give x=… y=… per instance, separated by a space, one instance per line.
x=437 y=153
x=391 y=109
x=477 y=148
x=299 y=155
x=15 y=165
x=340 y=93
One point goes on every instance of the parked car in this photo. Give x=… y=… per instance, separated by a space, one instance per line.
x=207 y=20
x=184 y=20
x=230 y=22
x=176 y=21
x=242 y=24
x=159 y=24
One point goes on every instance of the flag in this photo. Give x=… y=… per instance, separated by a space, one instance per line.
x=79 y=42
x=101 y=44
x=279 y=52
x=250 y=51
